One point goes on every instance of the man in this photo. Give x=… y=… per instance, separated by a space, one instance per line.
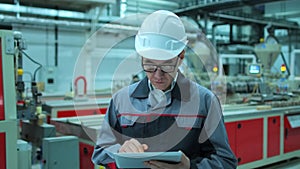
x=165 y=111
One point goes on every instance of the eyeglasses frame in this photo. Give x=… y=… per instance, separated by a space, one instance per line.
x=159 y=66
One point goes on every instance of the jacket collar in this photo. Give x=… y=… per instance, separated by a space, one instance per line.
x=182 y=84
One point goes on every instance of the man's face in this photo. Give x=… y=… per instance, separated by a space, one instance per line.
x=161 y=72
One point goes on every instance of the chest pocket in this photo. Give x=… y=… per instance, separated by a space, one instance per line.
x=190 y=122
x=132 y=126
x=128 y=120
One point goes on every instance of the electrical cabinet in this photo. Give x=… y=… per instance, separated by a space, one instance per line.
x=3 y=150
x=8 y=144
x=273 y=136
x=291 y=133
x=263 y=137
x=246 y=139
x=60 y=152
x=86 y=152
x=24 y=154
x=2 y=117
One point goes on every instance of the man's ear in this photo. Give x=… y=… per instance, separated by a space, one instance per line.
x=181 y=55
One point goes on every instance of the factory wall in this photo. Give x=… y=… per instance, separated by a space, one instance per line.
x=41 y=47
x=106 y=59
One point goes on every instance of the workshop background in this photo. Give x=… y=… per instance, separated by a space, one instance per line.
x=61 y=61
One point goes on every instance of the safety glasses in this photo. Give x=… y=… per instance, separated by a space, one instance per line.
x=166 y=68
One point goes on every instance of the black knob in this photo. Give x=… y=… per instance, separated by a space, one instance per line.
x=239 y=125
x=85 y=150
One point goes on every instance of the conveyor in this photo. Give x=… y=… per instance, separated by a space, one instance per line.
x=84 y=127
x=72 y=108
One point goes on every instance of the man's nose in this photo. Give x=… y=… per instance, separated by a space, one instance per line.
x=159 y=72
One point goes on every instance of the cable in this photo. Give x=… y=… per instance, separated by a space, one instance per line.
x=40 y=65
x=30 y=74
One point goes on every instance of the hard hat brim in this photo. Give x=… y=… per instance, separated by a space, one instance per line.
x=158 y=47
x=159 y=54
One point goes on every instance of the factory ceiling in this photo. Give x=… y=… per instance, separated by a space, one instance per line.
x=72 y=5
x=85 y=11
x=231 y=11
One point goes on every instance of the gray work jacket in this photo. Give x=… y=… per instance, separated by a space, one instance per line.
x=189 y=119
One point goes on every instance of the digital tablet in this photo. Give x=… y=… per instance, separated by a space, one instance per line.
x=136 y=160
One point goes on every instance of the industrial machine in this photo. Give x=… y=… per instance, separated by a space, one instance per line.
x=34 y=129
x=262 y=107
x=21 y=112
x=28 y=108
x=267 y=55
x=258 y=80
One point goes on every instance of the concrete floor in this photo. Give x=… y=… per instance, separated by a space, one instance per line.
x=287 y=164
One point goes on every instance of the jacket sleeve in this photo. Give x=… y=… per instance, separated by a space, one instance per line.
x=107 y=143
x=213 y=137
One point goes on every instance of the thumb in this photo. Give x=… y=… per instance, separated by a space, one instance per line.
x=145 y=146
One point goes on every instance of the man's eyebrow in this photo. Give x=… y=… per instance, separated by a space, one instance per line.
x=168 y=61
x=148 y=61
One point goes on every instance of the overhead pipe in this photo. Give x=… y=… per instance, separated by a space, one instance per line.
x=160 y=3
x=213 y=8
x=148 y=6
x=18 y=9
x=222 y=5
x=71 y=24
x=64 y=23
x=250 y=20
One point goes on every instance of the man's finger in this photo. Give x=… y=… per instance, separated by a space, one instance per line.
x=138 y=147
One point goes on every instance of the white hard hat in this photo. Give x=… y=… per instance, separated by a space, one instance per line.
x=161 y=36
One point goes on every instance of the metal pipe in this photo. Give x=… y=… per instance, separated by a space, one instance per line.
x=56 y=46
x=250 y=20
x=72 y=24
x=222 y=5
x=64 y=23
x=18 y=8
x=42 y=11
x=160 y=3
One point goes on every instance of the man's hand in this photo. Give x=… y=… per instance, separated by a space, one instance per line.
x=133 y=146
x=184 y=164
